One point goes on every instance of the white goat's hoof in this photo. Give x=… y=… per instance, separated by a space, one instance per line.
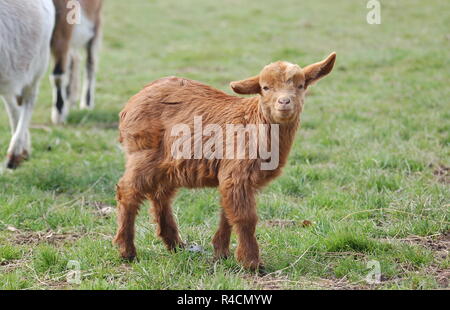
x=84 y=106
x=58 y=119
x=14 y=161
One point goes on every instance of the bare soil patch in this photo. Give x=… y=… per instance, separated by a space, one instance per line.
x=280 y=282
x=22 y=237
x=442 y=172
x=286 y=223
x=440 y=245
x=50 y=237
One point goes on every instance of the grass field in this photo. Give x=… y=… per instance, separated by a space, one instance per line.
x=369 y=168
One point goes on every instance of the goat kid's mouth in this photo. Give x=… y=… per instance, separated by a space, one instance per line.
x=284 y=115
x=284 y=112
x=284 y=109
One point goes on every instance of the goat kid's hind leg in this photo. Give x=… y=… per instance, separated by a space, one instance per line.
x=128 y=202
x=221 y=240
x=167 y=227
x=88 y=94
x=20 y=145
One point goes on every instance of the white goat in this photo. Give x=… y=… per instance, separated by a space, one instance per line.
x=68 y=39
x=25 y=31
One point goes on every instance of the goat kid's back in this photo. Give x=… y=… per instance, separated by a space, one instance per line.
x=148 y=117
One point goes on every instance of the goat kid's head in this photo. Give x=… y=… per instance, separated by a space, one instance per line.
x=282 y=85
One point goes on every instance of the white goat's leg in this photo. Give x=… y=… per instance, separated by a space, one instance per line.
x=73 y=90
x=60 y=108
x=12 y=108
x=88 y=94
x=20 y=146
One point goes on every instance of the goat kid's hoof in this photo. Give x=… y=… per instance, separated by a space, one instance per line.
x=14 y=161
x=252 y=265
x=128 y=259
x=261 y=271
x=257 y=267
x=128 y=256
x=176 y=246
x=221 y=254
x=127 y=253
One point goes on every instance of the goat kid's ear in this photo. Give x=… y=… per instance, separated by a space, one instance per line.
x=316 y=71
x=249 y=86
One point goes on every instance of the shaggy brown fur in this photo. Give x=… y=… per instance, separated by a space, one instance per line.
x=152 y=173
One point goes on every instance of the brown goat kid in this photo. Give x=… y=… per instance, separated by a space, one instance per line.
x=153 y=173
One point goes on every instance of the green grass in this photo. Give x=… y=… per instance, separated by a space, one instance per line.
x=362 y=168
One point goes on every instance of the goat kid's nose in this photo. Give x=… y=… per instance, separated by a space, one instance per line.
x=284 y=100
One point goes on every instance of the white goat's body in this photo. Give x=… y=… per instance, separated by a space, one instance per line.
x=82 y=32
x=25 y=30
x=26 y=27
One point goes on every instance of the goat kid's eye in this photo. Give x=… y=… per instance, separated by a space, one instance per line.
x=301 y=87
x=266 y=88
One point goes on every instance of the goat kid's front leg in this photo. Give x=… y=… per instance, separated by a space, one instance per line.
x=240 y=209
x=221 y=240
